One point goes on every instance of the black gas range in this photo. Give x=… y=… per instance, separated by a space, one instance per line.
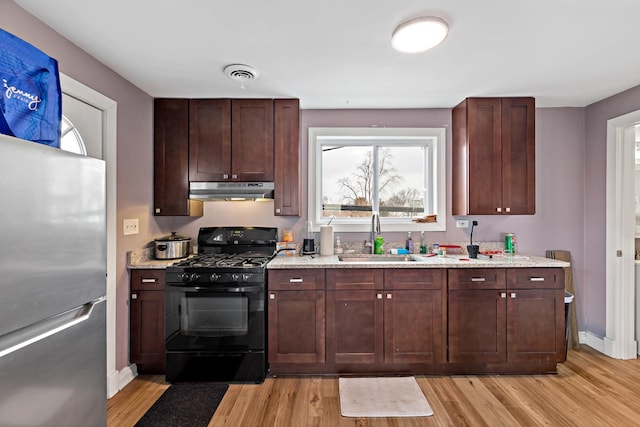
x=215 y=307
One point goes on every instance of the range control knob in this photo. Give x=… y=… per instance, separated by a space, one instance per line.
x=214 y=277
x=184 y=277
x=235 y=277
x=246 y=277
x=194 y=277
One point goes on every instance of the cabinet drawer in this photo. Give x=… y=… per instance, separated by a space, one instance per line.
x=301 y=279
x=147 y=280
x=347 y=279
x=535 y=278
x=477 y=278
x=420 y=278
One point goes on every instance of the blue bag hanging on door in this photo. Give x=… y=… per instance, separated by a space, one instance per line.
x=31 y=101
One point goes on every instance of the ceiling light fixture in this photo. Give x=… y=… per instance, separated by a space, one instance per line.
x=419 y=34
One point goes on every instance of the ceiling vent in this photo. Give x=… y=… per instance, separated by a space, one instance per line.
x=241 y=73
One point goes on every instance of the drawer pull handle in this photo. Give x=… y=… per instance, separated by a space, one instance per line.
x=149 y=280
x=478 y=279
x=296 y=280
x=536 y=279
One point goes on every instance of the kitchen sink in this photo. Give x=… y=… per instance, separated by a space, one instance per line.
x=376 y=258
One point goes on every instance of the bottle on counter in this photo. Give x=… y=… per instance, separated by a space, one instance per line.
x=378 y=246
x=436 y=249
x=423 y=246
x=409 y=243
x=338 y=248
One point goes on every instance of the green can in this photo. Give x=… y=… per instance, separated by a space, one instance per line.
x=509 y=243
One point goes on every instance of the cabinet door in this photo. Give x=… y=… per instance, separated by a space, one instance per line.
x=296 y=327
x=535 y=329
x=209 y=139
x=354 y=327
x=252 y=140
x=518 y=156
x=171 y=159
x=147 y=331
x=477 y=326
x=484 y=151
x=286 y=124
x=413 y=326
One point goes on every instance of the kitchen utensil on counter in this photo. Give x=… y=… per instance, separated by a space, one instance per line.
x=172 y=246
x=471 y=248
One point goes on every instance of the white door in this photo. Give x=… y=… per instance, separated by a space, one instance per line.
x=93 y=116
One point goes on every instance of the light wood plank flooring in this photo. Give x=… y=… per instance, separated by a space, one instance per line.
x=590 y=389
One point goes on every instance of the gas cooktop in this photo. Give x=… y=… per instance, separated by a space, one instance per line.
x=243 y=260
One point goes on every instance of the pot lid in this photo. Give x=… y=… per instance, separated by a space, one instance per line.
x=173 y=237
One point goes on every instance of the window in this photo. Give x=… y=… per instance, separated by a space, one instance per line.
x=397 y=172
x=71 y=140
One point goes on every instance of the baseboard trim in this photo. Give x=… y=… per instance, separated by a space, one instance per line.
x=119 y=379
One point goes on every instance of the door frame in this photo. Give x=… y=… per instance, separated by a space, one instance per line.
x=619 y=341
x=109 y=126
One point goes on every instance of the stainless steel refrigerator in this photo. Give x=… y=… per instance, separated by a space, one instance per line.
x=52 y=287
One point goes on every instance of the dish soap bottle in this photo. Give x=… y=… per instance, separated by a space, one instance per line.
x=423 y=246
x=338 y=248
x=409 y=244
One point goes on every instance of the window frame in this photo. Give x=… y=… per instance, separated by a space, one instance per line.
x=379 y=135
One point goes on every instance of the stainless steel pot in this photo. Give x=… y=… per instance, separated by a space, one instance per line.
x=172 y=247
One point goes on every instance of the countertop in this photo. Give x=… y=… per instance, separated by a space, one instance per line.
x=420 y=261
x=145 y=259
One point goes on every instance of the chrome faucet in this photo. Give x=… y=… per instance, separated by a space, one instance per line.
x=375 y=230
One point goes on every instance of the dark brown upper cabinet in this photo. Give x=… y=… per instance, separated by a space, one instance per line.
x=171 y=159
x=231 y=140
x=494 y=157
x=286 y=123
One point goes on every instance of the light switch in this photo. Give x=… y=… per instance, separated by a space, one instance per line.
x=130 y=226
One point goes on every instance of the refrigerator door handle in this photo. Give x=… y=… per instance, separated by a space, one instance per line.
x=14 y=341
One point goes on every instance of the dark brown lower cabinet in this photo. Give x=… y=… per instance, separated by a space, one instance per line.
x=146 y=311
x=354 y=326
x=296 y=317
x=412 y=326
x=514 y=317
x=296 y=326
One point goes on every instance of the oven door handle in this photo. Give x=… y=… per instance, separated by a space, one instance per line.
x=218 y=289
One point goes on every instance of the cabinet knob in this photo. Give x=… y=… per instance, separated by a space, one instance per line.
x=389 y=296
x=225 y=176
x=277 y=210
x=513 y=294
x=503 y=294
x=234 y=176
x=134 y=296
x=498 y=209
x=272 y=296
x=379 y=296
x=157 y=210
x=507 y=209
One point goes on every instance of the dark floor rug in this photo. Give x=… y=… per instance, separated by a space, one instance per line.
x=185 y=405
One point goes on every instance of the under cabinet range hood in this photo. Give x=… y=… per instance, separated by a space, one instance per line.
x=230 y=190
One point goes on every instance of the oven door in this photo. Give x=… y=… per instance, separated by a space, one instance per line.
x=215 y=319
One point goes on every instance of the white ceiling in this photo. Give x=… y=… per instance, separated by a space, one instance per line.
x=337 y=53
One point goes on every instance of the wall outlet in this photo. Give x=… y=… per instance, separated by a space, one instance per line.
x=462 y=223
x=130 y=226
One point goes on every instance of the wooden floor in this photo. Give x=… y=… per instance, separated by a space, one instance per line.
x=590 y=389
